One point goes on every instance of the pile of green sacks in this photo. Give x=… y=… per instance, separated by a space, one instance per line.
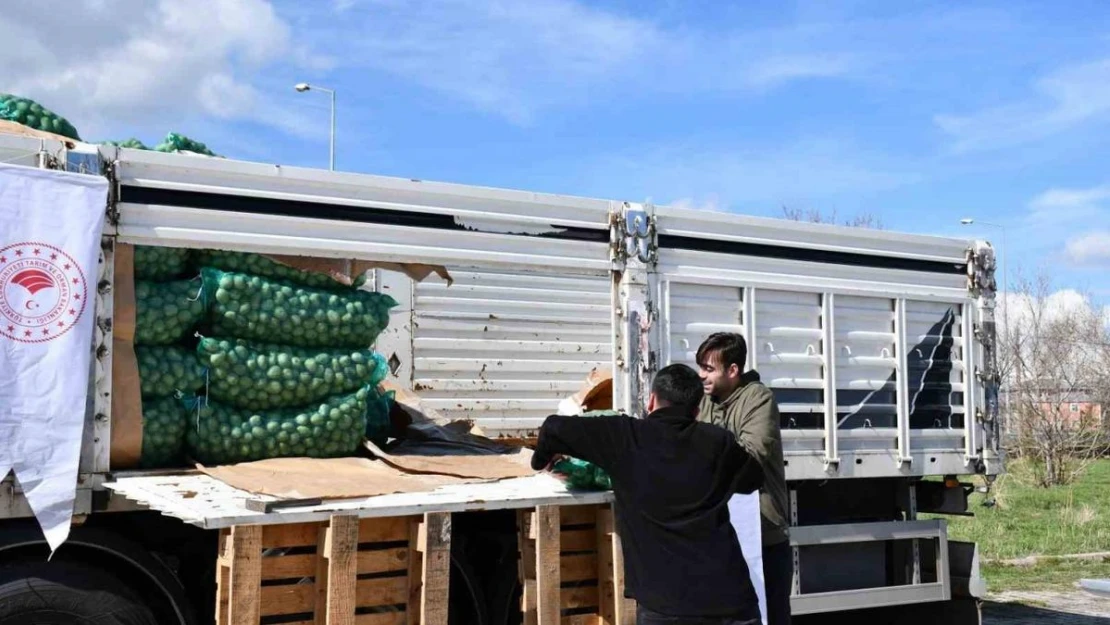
x=243 y=358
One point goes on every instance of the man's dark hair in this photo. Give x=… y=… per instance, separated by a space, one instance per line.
x=731 y=346
x=678 y=385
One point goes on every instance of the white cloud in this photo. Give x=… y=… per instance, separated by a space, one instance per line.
x=1061 y=101
x=1068 y=205
x=517 y=59
x=1090 y=249
x=117 y=68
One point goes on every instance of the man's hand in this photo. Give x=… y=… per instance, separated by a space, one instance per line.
x=554 y=460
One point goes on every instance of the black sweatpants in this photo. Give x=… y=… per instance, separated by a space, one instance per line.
x=778 y=575
x=645 y=616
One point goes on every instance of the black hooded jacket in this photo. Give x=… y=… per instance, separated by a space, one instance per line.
x=672 y=479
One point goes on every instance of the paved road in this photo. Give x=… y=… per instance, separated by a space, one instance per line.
x=1046 y=608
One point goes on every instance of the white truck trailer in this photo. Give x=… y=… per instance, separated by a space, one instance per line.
x=878 y=346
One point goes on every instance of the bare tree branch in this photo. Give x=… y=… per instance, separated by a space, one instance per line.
x=816 y=216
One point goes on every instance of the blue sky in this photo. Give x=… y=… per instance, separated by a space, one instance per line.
x=919 y=113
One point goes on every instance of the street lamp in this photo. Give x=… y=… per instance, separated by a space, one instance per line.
x=303 y=87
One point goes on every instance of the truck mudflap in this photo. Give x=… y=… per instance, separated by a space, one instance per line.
x=204 y=501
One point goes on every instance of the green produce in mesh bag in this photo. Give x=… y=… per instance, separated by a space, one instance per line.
x=586 y=475
x=33 y=115
x=220 y=434
x=159 y=263
x=164 y=423
x=377 y=415
x=255 y=308
x=260 y=376
x=164 y=371
x=166 y=312
x=180 y=143
x=259 y=265
x=127 y=143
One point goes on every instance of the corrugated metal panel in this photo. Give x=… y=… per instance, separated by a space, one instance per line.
x=788 y=354
x=505 y=348
x=694 y=311
x=937 y=373
x=865 y=370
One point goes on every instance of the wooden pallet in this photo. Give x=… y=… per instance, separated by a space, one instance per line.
x=571 y=567
x=345 y=571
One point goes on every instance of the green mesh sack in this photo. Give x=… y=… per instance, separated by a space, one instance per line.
x=261 y=376
x=132 y=143
x=159 y=263
x=175 y=142
x=270 y=311
x=378 y=424
x=34 y=115
x=259 y=265
x=164 y=423
x=220 y=434
x=586 y=475
x=166 y=312
x=164 y=371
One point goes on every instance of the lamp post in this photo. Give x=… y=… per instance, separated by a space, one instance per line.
x=303 y=87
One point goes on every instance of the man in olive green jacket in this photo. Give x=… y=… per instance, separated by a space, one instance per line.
x=738 y=402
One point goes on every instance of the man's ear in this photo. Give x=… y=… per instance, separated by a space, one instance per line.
x=651 y=403
x=734 y=371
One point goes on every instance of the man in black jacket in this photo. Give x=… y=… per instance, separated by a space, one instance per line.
x=672 y=478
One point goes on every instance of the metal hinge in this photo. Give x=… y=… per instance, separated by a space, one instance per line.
x=633 y=234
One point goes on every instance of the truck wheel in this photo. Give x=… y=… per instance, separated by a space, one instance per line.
x=62 y=593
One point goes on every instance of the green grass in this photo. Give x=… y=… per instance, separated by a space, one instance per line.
x=1027 y=520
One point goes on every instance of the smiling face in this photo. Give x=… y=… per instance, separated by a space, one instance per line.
x=718 y=380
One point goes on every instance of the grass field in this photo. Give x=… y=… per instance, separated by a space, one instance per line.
x=1027 y=520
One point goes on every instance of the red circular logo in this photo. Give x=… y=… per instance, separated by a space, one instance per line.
x=42 y=292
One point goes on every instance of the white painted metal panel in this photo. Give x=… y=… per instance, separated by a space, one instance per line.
x=866 y=371
x=504 y=348
x=936 y=373
x=788 y=353
x=694 y=311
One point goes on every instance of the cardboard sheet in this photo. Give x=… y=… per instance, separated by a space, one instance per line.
x=482 y=467
x=344 y=270
x=332 y=478
x=127 y=406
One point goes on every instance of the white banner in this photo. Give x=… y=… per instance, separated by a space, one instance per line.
x=50 y=227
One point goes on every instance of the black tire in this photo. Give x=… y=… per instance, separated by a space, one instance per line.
x=62 y=593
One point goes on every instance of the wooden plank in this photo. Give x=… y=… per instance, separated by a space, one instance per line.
x=578 y=568
x=390 y=529
x=381 y=591
x=578 y=540
x=547 y=564
x=582 y=619
x=437 y=569
x=416 y=569
x=286 y=599
x=526 y=566
x=385 y=618
x=245 y=576
x=341 y=549
x=581 y=597
x=607 y=599
x=383 y=560
x=294 y=535
x=579 y=515
x=624 y=608
x=320 y=601
x=223 y=592
x=288 y=567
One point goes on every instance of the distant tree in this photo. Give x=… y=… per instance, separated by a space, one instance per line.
x=816 y=216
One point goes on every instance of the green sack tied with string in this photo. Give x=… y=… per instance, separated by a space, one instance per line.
x=166 y=312
x=166 y=370
x=259 y=376
x=159 y=263
x=164 y=423
x=260 y=265
x=260 y=309
x=220 y=434
x=584 y=475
